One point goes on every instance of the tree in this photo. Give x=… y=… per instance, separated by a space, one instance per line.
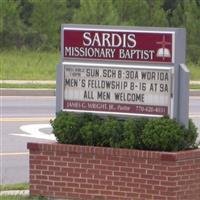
x=155 y=14
x=131 y=12
x=169 y=6
x=26 y=9
x=46 y=20
x=141 y=12
x=192 y=13
x=11 y=28
x=178 y=15
x=187 y=15
x=72 y=5
x=96 y=12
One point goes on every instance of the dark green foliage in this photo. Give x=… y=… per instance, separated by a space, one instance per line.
x=129 y=134
x=90 y=130
x=66 y=128
x=111 y=130
x=95 y=12
x=139 y=126
x=193 y=51
x=35 y=24
x=165 y=134
x=161 y=134
x=26 y=12
x=190 y=135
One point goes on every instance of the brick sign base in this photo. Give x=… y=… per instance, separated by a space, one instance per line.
x=96 y=173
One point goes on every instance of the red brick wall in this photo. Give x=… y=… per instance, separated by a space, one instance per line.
x=95 y=173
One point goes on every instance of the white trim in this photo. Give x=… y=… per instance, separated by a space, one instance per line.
x=173 y=47
x=118 y=65
x=114 y=30
x=63 y=87
x=172 y=93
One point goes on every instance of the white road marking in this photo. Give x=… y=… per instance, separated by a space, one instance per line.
x=33 y=131
x=14 y=153
x=27 y=119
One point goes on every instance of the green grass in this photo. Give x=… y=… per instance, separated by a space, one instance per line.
x=28 y=65
x=21 y=198
x=30 y=86
x=195 y=87
x=18 y=186
x=194 y=71
x=33 y=65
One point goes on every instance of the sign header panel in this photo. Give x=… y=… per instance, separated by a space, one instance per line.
x=118 y=45
x=117 y=89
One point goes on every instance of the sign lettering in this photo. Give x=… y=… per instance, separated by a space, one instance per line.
x=134 y=46
x=117 y=89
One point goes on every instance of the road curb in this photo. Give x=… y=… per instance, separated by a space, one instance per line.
x=194 y=92
x=15 y=193
x=49 y=92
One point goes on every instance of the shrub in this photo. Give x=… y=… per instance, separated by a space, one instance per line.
x=165 y=134
x=129 y=134
x=111 y=131
x=90 y=131
x=161 y=134
x=66 y=128
x=190 y=136
x=139 y=126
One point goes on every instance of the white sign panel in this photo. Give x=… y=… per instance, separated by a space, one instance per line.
x=117 y=89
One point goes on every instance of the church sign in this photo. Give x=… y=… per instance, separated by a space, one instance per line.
x=117 y=89
x=118 y=45
x=123 y=71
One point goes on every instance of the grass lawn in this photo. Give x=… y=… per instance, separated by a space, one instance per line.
x=33 y=86
x=18 y=186
x=28 y=65
x=194 y=71
x=21 y=198
x=33 y=65
x=195 y=87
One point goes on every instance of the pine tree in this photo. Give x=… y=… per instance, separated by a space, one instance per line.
x=46 y=20
x=72 y=5
x=95 y=12
x=192 y=13
x=132 y=12
x=187 y=15
x=11 y=28
x=156 y=15
x=141 y=12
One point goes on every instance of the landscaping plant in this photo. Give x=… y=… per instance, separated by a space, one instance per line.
x=161 y=134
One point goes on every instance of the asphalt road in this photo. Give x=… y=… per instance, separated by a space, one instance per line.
x=26 y=119
x=17 y=112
